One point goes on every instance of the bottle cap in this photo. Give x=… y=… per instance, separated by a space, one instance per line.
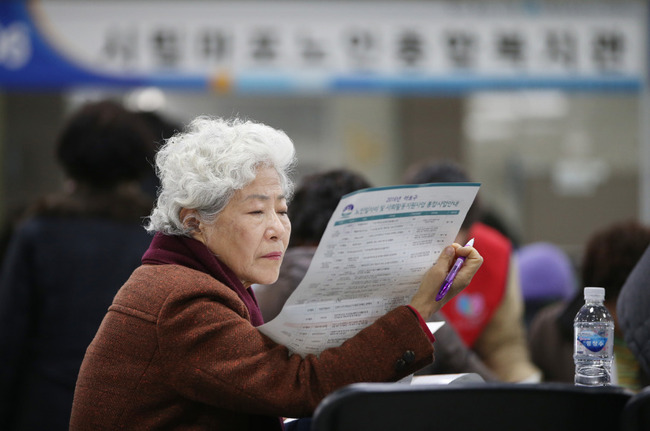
x=595 y=293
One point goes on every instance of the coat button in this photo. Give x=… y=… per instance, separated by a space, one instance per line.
x=409 y=356
x=400 y=364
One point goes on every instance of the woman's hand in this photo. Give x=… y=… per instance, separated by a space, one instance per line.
x=424 y=300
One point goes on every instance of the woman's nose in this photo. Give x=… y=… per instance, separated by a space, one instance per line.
x=276 y=228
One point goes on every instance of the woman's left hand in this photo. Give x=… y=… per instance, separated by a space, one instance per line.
x=424 y=300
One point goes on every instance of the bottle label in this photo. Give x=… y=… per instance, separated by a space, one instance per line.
x=592 y=340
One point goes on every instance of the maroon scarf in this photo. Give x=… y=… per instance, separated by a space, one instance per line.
x=188 y=252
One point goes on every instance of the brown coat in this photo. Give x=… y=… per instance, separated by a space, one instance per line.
x=176 y=350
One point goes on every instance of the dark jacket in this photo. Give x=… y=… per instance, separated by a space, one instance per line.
x=61 y=272
x=177 y=351
x=633 y=311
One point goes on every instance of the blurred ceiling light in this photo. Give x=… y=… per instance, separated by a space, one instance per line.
x=147 y=99
x=577 y=172
x=497 y=116
x=549 y=104
x=541 y=104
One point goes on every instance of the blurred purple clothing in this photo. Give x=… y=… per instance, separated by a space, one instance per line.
x=546 y=272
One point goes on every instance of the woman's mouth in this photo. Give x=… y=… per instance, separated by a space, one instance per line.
x=276 y=255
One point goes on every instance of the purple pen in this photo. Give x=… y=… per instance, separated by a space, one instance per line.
x=449 y=279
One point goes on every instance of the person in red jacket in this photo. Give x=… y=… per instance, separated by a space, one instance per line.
x=488 y=314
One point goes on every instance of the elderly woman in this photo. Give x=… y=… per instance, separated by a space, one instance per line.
x=179 y=348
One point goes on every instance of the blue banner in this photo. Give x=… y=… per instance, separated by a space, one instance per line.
x=314 y=47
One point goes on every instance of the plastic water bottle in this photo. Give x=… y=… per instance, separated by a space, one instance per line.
x=593 y=340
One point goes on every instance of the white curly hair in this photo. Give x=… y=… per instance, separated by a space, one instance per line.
x=202 y=167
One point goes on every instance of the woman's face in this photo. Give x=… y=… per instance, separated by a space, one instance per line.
x=252 y=232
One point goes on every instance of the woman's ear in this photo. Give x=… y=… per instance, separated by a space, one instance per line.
x=190 y=220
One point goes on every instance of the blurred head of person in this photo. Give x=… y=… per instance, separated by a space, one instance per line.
x=315 y=201
x=546 y=272
x=103 y=145
x=444 y=171
x=226 y=183
x=610 y=255
x=103 y=150
x=547 y=275
x=162 y=127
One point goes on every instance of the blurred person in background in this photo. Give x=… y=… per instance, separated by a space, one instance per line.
x=547 y=276
x=179 y=347
x=489 y=216
x=633 y=311
x=66 y=260
x=162 y=128
x=489 y=314
x=610 y=255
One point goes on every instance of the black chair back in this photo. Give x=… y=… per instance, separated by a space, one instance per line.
x=636 y=415
x=471 y=406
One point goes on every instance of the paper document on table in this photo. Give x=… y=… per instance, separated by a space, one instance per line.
x=378 y=244
x=434 y=326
